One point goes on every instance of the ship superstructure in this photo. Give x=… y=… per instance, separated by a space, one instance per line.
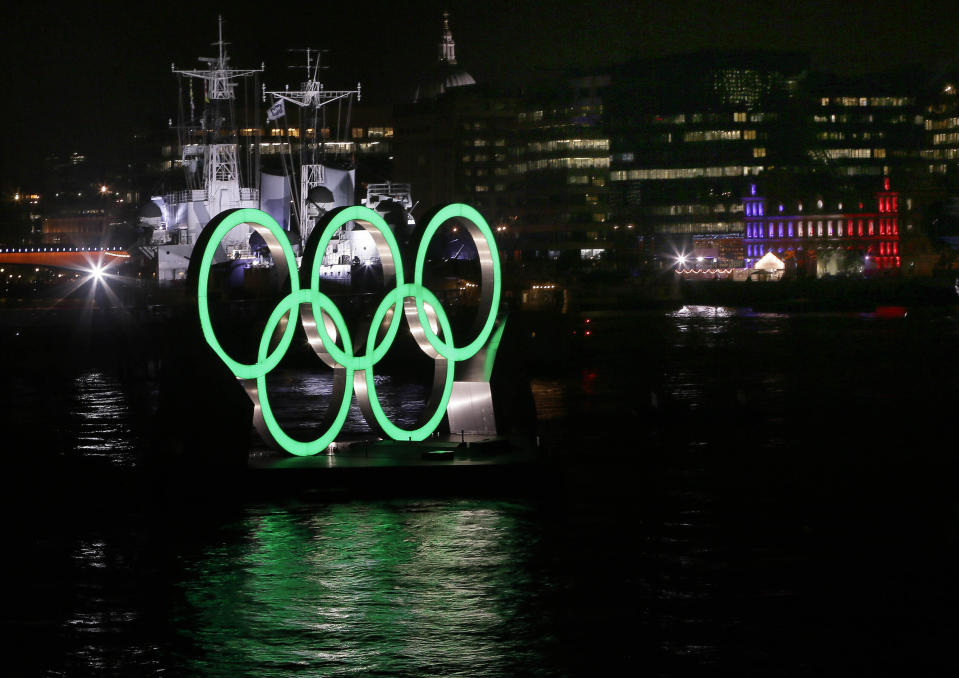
x=353 y=248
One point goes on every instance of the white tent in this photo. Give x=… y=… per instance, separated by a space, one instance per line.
x=769 y=262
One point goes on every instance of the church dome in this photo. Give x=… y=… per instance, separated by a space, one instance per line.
x=446 y=73
x=440 y=79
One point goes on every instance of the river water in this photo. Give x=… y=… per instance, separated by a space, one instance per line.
x=725 y=492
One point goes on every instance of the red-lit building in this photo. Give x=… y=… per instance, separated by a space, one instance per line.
x=825 y=236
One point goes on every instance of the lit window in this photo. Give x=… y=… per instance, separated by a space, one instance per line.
x=759 y=152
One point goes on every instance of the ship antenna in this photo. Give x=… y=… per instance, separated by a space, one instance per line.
x=220 y=42
x=312 y=96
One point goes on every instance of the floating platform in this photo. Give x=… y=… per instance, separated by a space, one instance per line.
x=459 y=450
x=452 y=463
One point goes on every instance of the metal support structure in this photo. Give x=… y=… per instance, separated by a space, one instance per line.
x=311 y=176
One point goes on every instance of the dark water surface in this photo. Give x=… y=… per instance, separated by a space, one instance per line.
x=726 y=492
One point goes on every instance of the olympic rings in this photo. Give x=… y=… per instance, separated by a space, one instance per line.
x=326 y=328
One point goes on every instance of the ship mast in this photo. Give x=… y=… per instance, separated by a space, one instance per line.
x=312 y=97
x=219 y=76
x=220 y=168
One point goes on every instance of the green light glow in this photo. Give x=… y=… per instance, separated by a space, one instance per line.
x=449 y=351
x=280 y=436
x=372 y=587
x=222 y=224
x=412 y=300
x=369 y=218
x=396 y=296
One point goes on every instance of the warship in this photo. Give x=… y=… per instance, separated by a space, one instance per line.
x=222 y=159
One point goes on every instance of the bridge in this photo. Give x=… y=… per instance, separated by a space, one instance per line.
x=77 y=258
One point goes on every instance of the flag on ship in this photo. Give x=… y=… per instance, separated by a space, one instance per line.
x=277 y=111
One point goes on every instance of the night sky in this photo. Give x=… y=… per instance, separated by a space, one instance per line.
x=86 y=77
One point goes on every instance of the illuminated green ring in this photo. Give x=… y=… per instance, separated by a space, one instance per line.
x=289 y=304
x=229 y=222
x=394 y=297
x=449 y=351
x=356 y=213
x=343 y=216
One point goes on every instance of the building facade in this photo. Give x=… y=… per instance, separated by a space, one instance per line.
x=825 y=236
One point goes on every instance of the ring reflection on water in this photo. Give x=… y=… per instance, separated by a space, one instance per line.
x=392 y=588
